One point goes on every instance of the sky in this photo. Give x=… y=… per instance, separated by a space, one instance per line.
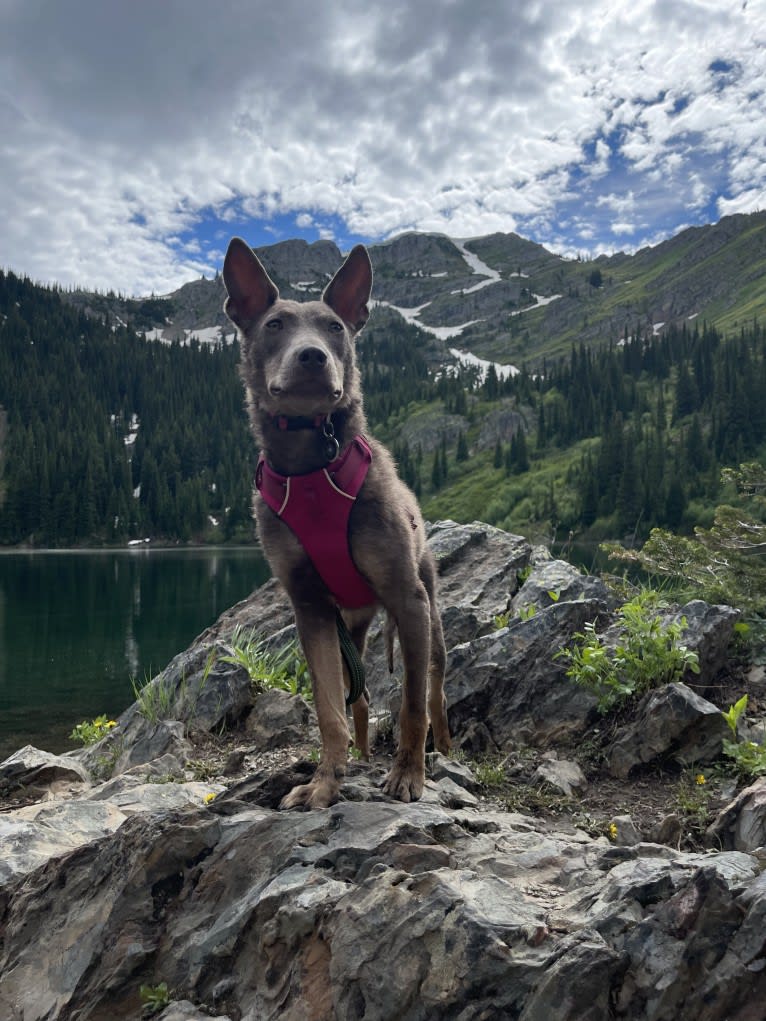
x=137 y=137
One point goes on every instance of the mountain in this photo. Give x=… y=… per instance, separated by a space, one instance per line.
x=640 y=377
x=503 y=297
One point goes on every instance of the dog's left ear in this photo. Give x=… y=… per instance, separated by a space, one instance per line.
x=349 y=290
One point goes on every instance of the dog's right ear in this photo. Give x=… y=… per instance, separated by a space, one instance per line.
x=249 y=287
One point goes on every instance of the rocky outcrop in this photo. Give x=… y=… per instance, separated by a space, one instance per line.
x=672 y=722
x=137 y=863
x=377 y=910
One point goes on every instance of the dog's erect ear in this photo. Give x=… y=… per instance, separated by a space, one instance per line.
x=349 y=290
x=248 y=285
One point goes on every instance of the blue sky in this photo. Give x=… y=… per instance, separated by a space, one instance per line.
x=135 y=139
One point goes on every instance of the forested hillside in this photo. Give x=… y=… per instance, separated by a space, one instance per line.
x=109 y=437
x=613 y=442
x=106 y=436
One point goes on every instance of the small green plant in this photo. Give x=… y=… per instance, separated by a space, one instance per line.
x=692 y=801
x=523 y=574
x=155 y=998
x=650 y=654
x=749 y=756
x=89 y=733
x=490 y=775
x=734 y=712
x=203 y=770
x=154 y=698
x=527 y=612
x=284 y=669
x=501 y=620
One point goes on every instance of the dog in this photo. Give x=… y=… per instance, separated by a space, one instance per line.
x=322 y=476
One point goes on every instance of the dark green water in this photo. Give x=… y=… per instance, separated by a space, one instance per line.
x=75 y=627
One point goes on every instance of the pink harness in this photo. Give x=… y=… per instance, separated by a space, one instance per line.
x=317 y=506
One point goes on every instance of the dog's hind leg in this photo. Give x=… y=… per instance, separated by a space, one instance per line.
x=437 y=703
x=318 y=634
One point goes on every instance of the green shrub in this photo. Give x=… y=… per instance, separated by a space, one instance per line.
x=650 y=654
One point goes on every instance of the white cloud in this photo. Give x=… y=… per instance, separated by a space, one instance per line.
x=124 y=127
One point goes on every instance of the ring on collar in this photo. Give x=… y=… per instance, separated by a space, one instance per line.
x=331 y=445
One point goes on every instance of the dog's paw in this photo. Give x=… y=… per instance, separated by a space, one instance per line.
x=405 y=780
x=316 y=794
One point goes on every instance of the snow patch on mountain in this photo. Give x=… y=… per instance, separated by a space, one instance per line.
x=467 y=358
x=477 y=267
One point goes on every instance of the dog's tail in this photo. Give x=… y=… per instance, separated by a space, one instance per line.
x=389 y=630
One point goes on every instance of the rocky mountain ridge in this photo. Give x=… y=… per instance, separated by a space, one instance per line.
x=157 y=859
x=503 y=296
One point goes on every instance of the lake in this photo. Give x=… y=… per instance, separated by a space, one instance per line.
x=77 y=627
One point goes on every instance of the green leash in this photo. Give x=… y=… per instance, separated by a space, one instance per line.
x=350 y=654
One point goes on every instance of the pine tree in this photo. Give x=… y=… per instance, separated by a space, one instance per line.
x=461 y=453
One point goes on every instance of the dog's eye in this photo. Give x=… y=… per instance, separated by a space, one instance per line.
x=335 y=326
x=274 y=324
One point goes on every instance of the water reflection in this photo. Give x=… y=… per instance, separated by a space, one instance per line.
x=76 y=627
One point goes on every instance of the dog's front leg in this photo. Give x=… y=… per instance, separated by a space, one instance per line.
x=407 y=776
x=318 y=635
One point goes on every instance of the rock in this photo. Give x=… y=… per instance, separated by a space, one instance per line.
x=626 y=833
x=668 y=830
x=250 y=913
x=670 y=722
x=709 y=630
x=741 y=825
x=442 y=909
x=439 y=766
x=566 y=776
x=31 y=767
x=512 y=682
x=453 y=795
x=31 y=836
x=278 y=719
x=564 y=581
x=128 y=794
x=234 y=762
x=196 y=690
x=151 y=741
x=185 y=1011
x=475 y=740
x=478 y=567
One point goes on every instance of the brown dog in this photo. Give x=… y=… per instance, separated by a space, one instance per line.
x=305 y=406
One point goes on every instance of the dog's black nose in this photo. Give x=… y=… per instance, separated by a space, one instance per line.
x=312 y=357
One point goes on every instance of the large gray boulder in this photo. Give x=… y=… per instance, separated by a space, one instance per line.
x=444 y=910
x=551 y=581
x=512 y=681
x=670 y=723
x=378 y=910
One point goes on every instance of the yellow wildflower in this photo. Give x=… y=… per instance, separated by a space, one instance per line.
x=613 y=831
x=209 y=797
x=111 y=723
x=700 y=779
